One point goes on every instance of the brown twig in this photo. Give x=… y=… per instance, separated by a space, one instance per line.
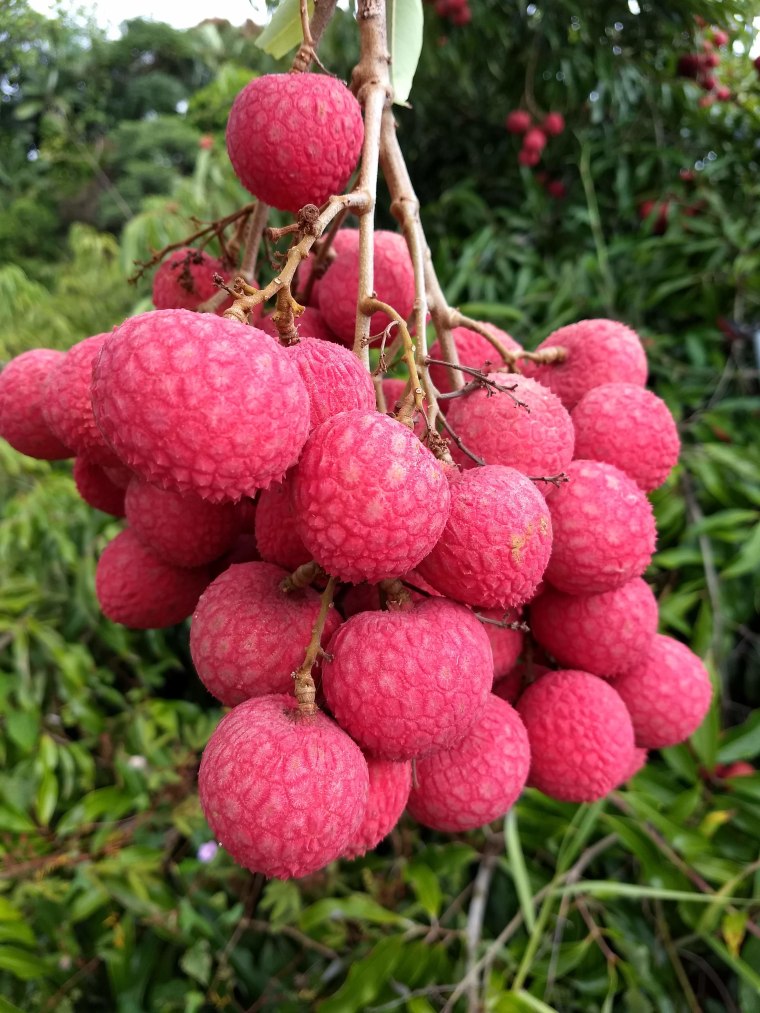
x=322 y=257
x=458 y=440
x=372 y=305
x=482 y=381
x=306 y=574
x=312 y=33
x=502 y=624
x=555 y=480
x=305 y=688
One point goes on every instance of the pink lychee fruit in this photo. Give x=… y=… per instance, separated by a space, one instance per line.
x=136 y=588
x=536 y=440
x=604 y=529
x=581 y=736
x=667 y=694
x=97 y=489
x=479 y=779
x=335 y=379
x=276 y=537
x=630 y=427
x=473 y=350
x=528 y=157
x=518 y=121
x=186 y=279
x=497 y=540
x=196 y=403
x=67 y=406
x=738 y=769
x=357 y=476
x=181 y=528
x=534 y=140
x=343 y=241
x=394 y=284
x=119 y=474
x=389 y=786
x=294 y=139
x=598 y=351
x=283 y=793
x=22 y=396
x=248 y=636
x=605 y=634
x=510 y=686
x=506 y=644
x=554 y=124
x=406 y=683
x=639 y=758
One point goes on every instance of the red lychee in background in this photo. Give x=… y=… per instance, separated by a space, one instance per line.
x=284 y=795
x=22 y=396
x=479 y=779
x=473 y=350
x=97 y=489
x=276 y=536
x=389 y=786
x=186 y=279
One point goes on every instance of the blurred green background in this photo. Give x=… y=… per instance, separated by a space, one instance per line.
x=648 y=901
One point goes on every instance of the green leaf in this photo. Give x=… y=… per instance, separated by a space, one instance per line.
x=366 y=977
x=748 y=560
x=743 y=742
x=405 y=23
x=197 y=961
x=518 y=869
x=47 y=797
x=21 y=963
x=356 y=907
x=8 y=1007
x=283 y=32
x=425 y=884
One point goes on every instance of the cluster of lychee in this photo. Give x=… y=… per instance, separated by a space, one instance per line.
x=456 y=11
x=256 y=475
x=656 y=215
x=701 y=66
x=535 y=136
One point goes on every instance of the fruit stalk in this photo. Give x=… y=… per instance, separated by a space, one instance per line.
x=313 y=31
x=306 y=691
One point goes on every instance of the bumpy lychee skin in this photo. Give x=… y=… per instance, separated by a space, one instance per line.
x=605 y=634
x=394 y=284
x=473 y=350
x=22 y=395
x=406 y=683
x=581 y=736
x=294 y=139
x=119 y=474
x=639 y=758
x=248 y=637
x=186 y=279
x=67 y=406
x=343 y=241
x=357 y=475
x=667 y=694
x=335 y=379
x=282 y=793
x=97 y=489
x=506 y=644
x=181 y=528
x=138 y=589
x=604 y=530
x=512 y=684
x=196 y=403
x=599 y=351
x=479 y=779
x=276 y=537
x=537 y=440
x=389 y=787
x=496 y=543
x=629 y=427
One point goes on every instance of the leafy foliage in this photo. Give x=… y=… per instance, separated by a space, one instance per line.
x=111 y=895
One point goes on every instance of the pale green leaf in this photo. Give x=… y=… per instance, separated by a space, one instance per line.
x=405 y=42
x=283 y=32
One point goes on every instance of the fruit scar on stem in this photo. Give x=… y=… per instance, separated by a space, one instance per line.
x=305 y=688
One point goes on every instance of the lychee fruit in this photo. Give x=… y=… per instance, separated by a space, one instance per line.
x=639 y=758
x=97 y=489
x=196 y=403
x=738 y=769
x=181 y=528
x=689 y=65
x=556 y=189
x=294 y=139
x=581 y=736
x=534 y=140
x=604 y=529
x=389 y=785
x=630 y=427
x=598 y=351
x=248 y=636
x=528 y=157
x=496 y=544
x=479 y=779
x=283 y=794
x=186 y=279
x=506 y=644
x=22 y=396
x=554 y=124
x=536 y=440
x=344 y=241
x=511 y=685
x=406 y=683
x=473 y=350
x=667 y=694
x=137 y=588
x=119 y=474
x=656 y=215
x=67 y=406
x=518 y=121
x=357 y=476
x=276 y=537
x=394 y=284
x=335 y=379
x=605 y=634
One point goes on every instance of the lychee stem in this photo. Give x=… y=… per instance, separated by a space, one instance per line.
x=481 y=380
x=395 y=594
x=305 y=575
x=307 y=52
x=406 y=413
x=284 y=317
x=305 y=688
